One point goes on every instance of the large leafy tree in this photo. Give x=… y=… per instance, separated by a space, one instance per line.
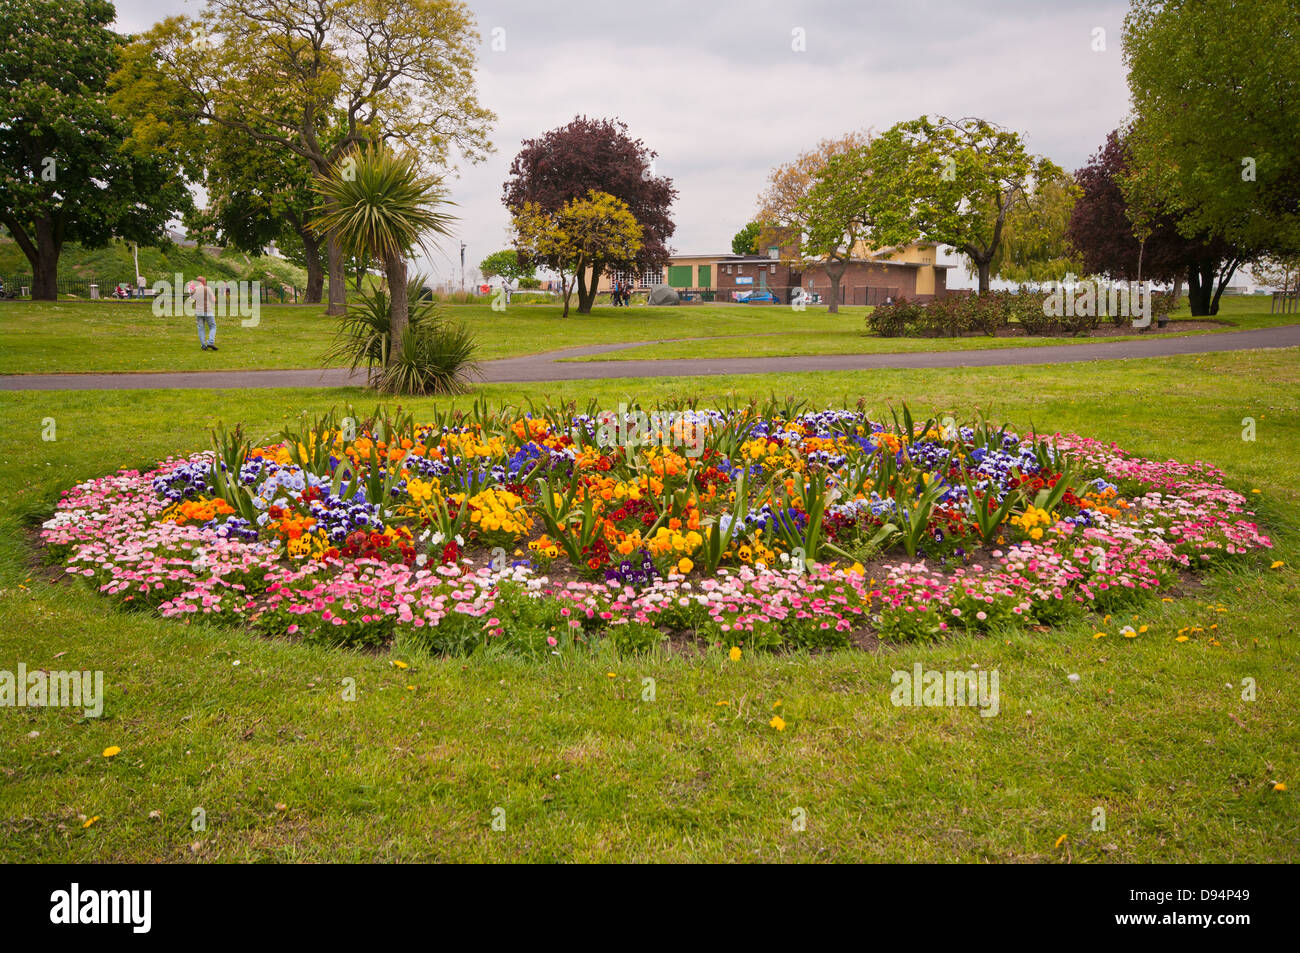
x=599 y=227
x=69 y=168
x=957 y=181
x=320 y=77
x=1113 y=238
x=259 y=196
x=745 y=241
x=823 y=210
x=588 y=155
x=379 y=204
x=1035 y=246
x=1215 y=86
x=507 y=265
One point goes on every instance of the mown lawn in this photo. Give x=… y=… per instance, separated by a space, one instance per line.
x=80 y=337
x=1154 y=732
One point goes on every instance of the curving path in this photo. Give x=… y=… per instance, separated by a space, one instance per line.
x=550 y=367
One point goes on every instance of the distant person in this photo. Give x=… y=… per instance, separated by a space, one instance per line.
x=616 y=295
x=139 y=285
x=205 y=313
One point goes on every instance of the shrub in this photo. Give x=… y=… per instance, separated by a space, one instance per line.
x=1027 y=307
x=894 y=320
x=435 y=358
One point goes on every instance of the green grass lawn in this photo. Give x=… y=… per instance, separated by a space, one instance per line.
x=1153 y=732
x=71 y=337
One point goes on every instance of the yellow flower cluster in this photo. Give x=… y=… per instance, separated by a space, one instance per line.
x=496 y=510
x=1033 y=521
x=545 y=546
x=666 y=541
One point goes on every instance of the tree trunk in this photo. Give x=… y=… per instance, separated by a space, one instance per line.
x=587 y=293
x=1178 y=289
x=338 y=283
x=399 y=306
x=835 y=273
x=1200 y=289
x=315 y=273
x=982 y=268
x=44 y=256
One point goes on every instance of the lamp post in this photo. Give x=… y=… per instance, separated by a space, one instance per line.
x=462 y=266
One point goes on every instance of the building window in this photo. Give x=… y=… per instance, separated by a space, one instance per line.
x=771 y=269
x=642 y=279
x=773 y=251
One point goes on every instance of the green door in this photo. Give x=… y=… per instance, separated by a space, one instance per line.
x=705 y=276
x=679 y=276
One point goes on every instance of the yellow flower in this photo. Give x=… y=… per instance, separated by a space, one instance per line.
x=89 y=821
x=1099 y=635
x=1277 y=564
x=1280 y=786
x=1181 y=638
x=1062 y=839
x=611 y=674
x=722 y=703
x=777 y=703
x=684 y=565
x=111 y=751
x=734 y=654
x=398 y=663
x=777 y=722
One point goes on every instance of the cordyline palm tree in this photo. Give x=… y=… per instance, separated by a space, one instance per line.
x=379 y=204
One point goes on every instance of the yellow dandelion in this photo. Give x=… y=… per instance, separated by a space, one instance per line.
x=1061 y=840
x=91 y=820
x=734 y=654
x=777 y=722
x=1097 y=635
x=398 y=663
x=722 y=703
x=611 y=674
x=112 y=751
x=1181 y=638
x=1277 y=564
x=1280 y=786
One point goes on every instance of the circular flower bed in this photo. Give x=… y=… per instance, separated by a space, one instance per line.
x=541 y=531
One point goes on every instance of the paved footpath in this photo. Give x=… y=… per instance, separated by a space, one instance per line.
x=551 y=367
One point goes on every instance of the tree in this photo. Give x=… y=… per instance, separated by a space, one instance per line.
x=957 y=180
x=745 y=241
x=595 y=154
x=378 y=203
x=506 y=265
x=1102 y=231
x=597 y=228
x=1279 y=273
x=69 y=170
x=1214 y=88
x=785 y=209
x=282 y=72
x=259 y=196
x=1035 y=246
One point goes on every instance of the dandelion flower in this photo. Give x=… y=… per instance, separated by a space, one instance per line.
x=112 y=751
x=734 y=654
x=777 y=722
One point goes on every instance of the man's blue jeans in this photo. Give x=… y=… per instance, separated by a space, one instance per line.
x=210 y=321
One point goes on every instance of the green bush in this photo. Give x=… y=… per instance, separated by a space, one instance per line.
x=895 y=319
x=435 y=357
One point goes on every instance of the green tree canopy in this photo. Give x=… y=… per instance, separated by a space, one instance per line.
x=69 y=167
x=1216 y=95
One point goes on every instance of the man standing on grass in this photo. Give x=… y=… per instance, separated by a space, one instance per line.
x=205 y=314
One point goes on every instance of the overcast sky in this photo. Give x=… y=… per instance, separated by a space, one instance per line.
x=717 y=89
